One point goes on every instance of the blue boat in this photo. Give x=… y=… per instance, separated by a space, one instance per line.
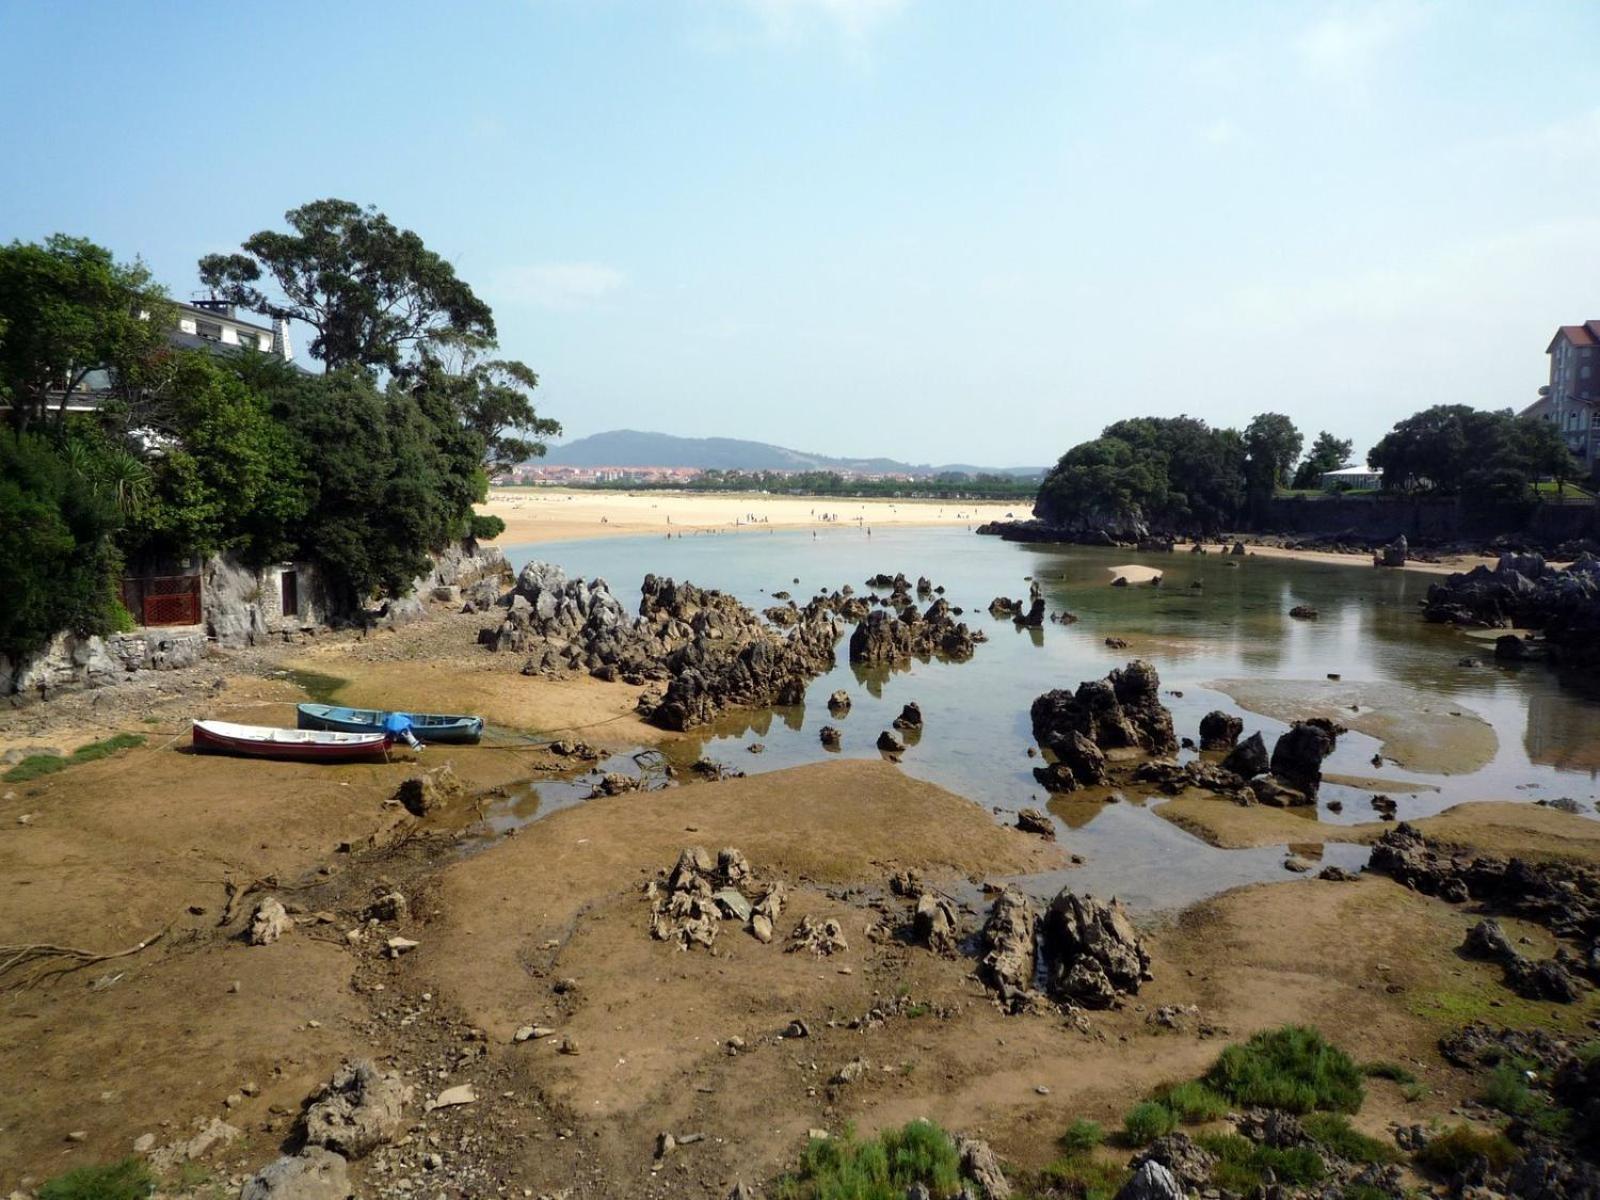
x=430 y=727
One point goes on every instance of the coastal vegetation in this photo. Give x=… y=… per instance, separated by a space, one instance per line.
x=121 y=447
x=1181 y=474
x=953 y=485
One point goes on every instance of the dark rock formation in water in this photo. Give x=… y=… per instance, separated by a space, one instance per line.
x=1525 y=592
x=1297 y=756
x=1248 y=758
x=1219 y=730
x=1122 y=711
x=884 y=639
x=1394 y=554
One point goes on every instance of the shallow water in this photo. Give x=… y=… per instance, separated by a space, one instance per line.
x=1236 y=626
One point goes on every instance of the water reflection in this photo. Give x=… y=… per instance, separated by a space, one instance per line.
x=1236 y=624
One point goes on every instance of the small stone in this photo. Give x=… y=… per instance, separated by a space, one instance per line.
x=665 y=1145
x=734 y=1045
x=233 y=1100
x=432 y=1161
x=1042 y=1090
x=78 y=1135
x=528 y=1033
x=234 y=988
x=400 y=945
x=144 y=1143
x=454 y=1097
x=567 y=1046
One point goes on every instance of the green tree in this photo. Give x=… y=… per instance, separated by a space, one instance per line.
x=68 y=310
x=1454 y=449
x=374 y=293
x=1328 y=453
x=493 y=398
x=227 y=476
x=1272 y=443
x=1101 y=478
x=57 y=555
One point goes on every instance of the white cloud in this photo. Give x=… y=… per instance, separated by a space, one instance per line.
x=559 y=285
x=1346 y=46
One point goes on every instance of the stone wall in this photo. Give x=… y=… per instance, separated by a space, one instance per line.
x=70 y=662
x=1383 y=518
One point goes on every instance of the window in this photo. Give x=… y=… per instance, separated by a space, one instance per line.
x=209 y=330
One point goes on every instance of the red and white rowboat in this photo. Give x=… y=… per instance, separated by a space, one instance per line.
x=302 y=745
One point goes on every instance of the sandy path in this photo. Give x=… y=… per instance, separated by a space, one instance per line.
x=548 y=515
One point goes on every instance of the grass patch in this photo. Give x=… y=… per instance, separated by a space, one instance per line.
x=129 y=1179
x=1146 y=1121
x=1293 y=1068
x=1242 y=1165
x=1334 y=1133
x=881 y=1168
x=1193 y=1103
x=1453 y=1151
x=37 y=765
x=1085 y=1177
x=1507 y=1089
x=1081 y=1137
x=1491 y=1001
x=1389 y=1070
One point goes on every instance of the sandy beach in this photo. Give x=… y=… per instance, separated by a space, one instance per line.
x=552 y=515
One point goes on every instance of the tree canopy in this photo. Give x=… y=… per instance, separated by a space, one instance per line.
x=1450 y=449
x=1328 y=453
x=1272 y=443
x=375 y=294
x=69 y=309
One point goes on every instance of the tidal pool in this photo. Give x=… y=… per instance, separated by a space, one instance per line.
x=1462 y=732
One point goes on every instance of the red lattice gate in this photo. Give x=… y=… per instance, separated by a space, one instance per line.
x=163 y=599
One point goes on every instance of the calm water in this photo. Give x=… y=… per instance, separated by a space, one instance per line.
x=976 y=713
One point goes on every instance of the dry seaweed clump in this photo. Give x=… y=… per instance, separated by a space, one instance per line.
x=689 y=905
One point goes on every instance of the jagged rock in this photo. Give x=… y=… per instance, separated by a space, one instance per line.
x=1121 y=711
x=979 y=1164
x=821 y=938
x=910 y=716
x=1297 y=756
x=428 y=789
x=1487 y=940
x=389 y=907
x=1394 y=554
x=839 y=703
x=1031 y=820
x=269 y=922
x=1177 y=1152
x=356 y=1111
x=934 y=923
x=889 y=744
x=1273 y=792
x=1219 y=730
x=1152 y=1181
x=1271 y=1127
x=831 y=737
x=1092 y=950
x=1001 y=606
x=1008 y=958
x=1238 y=550
x=1303 y=612
x=313 y=1174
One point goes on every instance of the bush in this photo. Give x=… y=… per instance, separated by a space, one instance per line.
x=126 y=1180
x=882 y=1168
x=1085 y=1177
x=1455 y=1150
x=1082 y=1136
x=1389 y=1070
x=1193 y=1102
x=1146 y=1121
x=485 y=527
x=1292 y=1068
x=1334 y=1133
x=1242 y=1165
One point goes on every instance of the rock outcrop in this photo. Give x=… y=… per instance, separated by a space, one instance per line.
x=689 y=904
x=1122 y=711
x=1009 y=959
x=313 y=1174
x=356 y=1111
x=1297 y=756
x=1220 y=730
x=1525 y=592
x=1093 y=953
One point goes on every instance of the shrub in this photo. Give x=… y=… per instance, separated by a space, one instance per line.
x=1334 y=1133
x=126 y=1180
x=1082 y=1136
x=1292 y=1068
x=881 y=1168
x=485 y=527
x=1086 y=1177
x=1389 y=1070
x=1193 y=1102
x=1146 y=1121
x=1455 y=1150
x=1242 y=1165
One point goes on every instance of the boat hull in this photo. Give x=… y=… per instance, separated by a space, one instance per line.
x=428 y=727
x=294 y=745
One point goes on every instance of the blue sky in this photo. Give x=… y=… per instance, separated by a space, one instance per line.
x=933 y=229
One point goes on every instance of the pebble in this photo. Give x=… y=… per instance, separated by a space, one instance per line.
x=1042 y=1090
x=78 y=1135
x=144 y=1143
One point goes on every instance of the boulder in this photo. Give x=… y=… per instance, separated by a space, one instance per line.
x=313 y=1174
x=1297 y=756
x=839 y=703
x=1303 y=612
x=1249 y=758
x=889 y=744
x=1031 y=820
x=429 y=789
x=1488 y=940
x=1152 y=1181
x=980 y=1164
x=1092 y=951
x=934 y=923
x=830 y=737
x=1394 y=554
x=1008 y=958
x=1122 y=711
x=269 y=922
x=356 y=1111
x=1219 y=730
x=910 y=717
x=1190 y=1164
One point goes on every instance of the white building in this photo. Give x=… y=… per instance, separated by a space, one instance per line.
x=1351 y=479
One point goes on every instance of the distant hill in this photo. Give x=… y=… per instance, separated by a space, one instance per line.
x=631 y=448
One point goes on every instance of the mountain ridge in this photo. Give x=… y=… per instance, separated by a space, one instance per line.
x=638 y=448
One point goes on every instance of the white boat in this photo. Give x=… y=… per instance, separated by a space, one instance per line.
x=306 y=745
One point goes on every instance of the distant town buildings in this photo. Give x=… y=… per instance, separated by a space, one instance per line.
x=524 y=474
x=1572 y=396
